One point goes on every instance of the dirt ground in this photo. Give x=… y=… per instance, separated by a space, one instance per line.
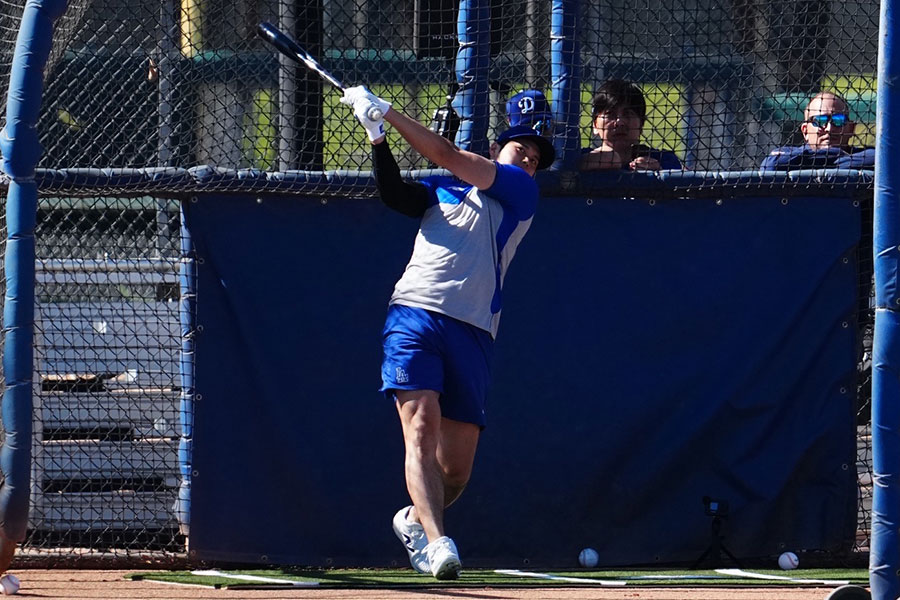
x=112 y=584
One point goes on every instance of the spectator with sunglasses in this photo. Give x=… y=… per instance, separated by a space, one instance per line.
x=618 y=115
x=827 y=129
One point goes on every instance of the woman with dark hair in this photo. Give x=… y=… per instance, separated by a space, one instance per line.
x=617 y=116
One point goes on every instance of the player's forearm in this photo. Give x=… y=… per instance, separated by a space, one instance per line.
x=435 y=148
x=468 y=166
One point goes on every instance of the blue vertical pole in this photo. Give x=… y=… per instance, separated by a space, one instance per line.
x=473 y=62
x=884 y=557
x=21 y=149
x=187 y=312
x=565 y=76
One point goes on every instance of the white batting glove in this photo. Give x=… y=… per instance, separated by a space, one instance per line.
x=375 y=129
x=351 y=94
x=375 y=106
x=368 y=108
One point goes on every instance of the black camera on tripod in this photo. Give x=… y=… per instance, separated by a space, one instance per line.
x=715 y=508
x=718 y=510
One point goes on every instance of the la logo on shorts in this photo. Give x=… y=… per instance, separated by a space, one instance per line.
x=401 y=376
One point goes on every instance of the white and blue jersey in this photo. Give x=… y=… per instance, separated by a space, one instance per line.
x=445 y=309
x=466 y=241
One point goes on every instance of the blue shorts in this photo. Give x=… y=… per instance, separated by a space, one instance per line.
x=425 y=350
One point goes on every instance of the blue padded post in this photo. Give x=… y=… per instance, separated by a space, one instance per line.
x=565 y=75
x=187 y=310
x=473 y=63
x=884 y=558
x=20 y=149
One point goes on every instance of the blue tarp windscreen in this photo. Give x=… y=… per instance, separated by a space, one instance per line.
x=650 y=354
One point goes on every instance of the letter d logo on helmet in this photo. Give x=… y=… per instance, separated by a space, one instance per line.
x=526 y=105
x=530 y=107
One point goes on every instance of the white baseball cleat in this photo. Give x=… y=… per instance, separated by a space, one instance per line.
x=443 y=558
x=412 y=535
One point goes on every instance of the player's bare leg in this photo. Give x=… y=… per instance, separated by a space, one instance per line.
x=456 y=454
x=439 y=457
x=7 y=551
x=420 y=416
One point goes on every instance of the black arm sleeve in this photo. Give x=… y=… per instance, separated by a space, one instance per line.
x=407 y=198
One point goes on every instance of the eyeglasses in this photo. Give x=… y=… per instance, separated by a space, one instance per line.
x=821 y=121
x=613 y=115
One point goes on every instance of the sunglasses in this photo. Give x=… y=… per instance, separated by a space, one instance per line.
x=821 y=121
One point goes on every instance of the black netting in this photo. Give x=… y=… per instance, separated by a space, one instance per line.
x=146 y=84
x=143 y=84
x=107 y=379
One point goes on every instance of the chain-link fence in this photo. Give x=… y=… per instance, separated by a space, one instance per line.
x=184 y=85
x=187 y=84
x=107 y=380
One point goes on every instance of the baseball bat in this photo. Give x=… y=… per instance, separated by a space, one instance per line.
x=284 y=44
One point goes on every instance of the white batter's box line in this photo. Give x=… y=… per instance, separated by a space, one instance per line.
x=518 y=573
x=751 y=575
x=255 y=578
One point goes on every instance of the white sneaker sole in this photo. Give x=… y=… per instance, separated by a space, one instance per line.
x=450 y=569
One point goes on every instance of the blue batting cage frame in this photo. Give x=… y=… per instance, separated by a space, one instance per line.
x=21 y=149
x=884 y=558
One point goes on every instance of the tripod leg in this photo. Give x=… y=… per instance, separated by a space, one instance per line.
x=700 y=560
x=731 y=556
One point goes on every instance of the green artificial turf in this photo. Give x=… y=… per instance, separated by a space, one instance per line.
x=351 y=578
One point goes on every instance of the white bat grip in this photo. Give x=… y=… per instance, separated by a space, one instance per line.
x=374 y=113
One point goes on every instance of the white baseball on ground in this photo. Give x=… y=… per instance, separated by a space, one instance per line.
x=588 y=558
x=9 y=584
x=788 y=561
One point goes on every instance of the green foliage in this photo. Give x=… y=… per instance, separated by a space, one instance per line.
x=260 y=146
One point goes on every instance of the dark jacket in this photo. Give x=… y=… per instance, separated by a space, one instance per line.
x=788 y=158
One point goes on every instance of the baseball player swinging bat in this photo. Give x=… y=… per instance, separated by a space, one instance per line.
x=284 y=44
